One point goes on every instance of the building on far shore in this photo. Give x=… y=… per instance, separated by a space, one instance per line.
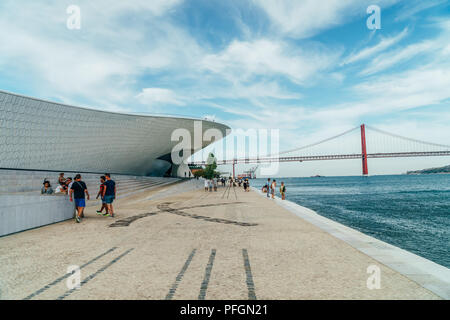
x=41 y=135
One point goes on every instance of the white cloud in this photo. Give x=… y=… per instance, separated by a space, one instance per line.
x=263 y=57
x=156 y=7
x=159 y=96
x=252 y=91
x=368 y=52
x=420 y=87
x=389 y=59
x=411 y=8
x=434 y=49
x=306 y=18
x=98 y=62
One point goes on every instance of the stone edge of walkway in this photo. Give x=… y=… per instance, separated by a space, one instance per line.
x=426 y=273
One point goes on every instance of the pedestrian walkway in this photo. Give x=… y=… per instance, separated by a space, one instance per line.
x=194 y=245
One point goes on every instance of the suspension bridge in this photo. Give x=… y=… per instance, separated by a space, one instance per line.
x=370 y=142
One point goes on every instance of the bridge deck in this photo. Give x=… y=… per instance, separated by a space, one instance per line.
x=222 y=245
x=327 y=157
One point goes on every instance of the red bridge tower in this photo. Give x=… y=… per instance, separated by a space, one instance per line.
x=365 y=169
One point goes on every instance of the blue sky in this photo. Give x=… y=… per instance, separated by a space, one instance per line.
x=311 y=70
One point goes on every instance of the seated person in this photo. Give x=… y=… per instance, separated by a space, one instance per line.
x=65 y=187
x=61 y=189
x=61 y=179
x=47 y=188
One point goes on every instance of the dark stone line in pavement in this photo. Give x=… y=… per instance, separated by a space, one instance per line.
x=51 y=284
x=248 y=272
x=180 y=275
x=127 y=221
x=92 y=276
x=208 y=270
x=165 y=208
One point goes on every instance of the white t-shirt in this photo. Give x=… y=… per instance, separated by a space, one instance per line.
x=68 y=187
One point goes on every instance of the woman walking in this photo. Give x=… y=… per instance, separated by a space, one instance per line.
x=273 y=187
x=283 y=191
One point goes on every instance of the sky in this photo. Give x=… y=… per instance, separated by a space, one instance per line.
x=306 y=69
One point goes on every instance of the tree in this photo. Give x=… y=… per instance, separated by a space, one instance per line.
x=210 y=169
x=199 y=173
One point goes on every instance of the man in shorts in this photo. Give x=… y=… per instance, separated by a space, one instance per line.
x=78 y=190
x=109 y=194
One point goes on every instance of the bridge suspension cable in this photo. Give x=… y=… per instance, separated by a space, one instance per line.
x=408 y=139
x=317 y=143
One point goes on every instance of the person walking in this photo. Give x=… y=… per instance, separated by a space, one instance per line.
x=109 y=194
x=272 y=188
x=268 y=188
x=100 y=194
x=206 y=185
x=78 y=191
x=283 y=191
x=210 y=185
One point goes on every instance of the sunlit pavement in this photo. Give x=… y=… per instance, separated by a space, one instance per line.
x=228 y=244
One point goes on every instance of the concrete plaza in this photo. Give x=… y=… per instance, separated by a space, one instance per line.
x=228 y=244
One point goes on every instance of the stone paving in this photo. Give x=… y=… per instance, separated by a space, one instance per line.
x=228 y=244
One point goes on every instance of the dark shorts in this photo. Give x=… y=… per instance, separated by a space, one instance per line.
x=81 y=203
x=108 y=199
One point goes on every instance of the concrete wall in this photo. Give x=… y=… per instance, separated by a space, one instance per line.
x=22 y=207
x=22 y=212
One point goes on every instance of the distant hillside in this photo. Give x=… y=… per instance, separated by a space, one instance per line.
x=445 y=169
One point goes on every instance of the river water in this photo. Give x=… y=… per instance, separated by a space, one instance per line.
x=409 y=211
